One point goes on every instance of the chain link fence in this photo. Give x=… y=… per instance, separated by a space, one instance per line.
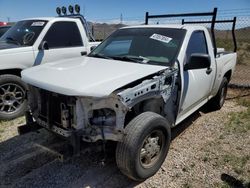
x=241 y=77
x=223 y=35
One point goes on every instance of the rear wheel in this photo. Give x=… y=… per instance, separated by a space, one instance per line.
x=144 y=147
x=217 y=101
x=12 y=97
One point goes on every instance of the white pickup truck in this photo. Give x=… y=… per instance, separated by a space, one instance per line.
x=133 y=88
x=32 y=42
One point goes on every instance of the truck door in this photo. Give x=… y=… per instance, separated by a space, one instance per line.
x=64 y=41
x=198 y=82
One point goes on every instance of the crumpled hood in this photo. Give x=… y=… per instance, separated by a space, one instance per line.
x=87 y=76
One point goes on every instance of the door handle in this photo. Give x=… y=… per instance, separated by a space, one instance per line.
x=209 y=70
x=83 y=53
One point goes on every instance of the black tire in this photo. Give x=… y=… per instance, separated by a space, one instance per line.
x=218 y=100
x=12 y=97
x=130 y=152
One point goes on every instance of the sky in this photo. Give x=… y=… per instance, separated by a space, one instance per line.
x=111 y=10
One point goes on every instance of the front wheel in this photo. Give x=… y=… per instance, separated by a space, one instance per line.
x=12 y=97
x=144 y=146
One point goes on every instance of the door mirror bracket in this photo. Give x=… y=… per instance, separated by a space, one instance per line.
x=92 y=48
x=43 y=46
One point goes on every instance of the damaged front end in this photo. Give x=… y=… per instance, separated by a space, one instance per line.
x=94 y=118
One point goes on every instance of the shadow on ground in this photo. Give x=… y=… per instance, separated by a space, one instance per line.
x=24 y=162
x=233 y=182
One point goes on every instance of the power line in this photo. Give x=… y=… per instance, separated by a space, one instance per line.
x=242 y=12
x=237 y=9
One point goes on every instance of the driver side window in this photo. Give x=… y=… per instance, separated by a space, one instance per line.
x=63 y=35
x=197 y=44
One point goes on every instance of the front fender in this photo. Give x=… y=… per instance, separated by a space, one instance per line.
x=16 y=58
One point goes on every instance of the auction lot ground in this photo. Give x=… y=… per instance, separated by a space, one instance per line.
x=210 y=149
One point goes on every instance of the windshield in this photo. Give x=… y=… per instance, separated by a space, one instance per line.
x=24 y=33
x=158 y=46
x=3 y=30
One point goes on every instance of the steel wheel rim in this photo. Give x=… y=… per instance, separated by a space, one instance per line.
x=151 y=149
x=11 y=98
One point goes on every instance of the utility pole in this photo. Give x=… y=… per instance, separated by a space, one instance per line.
x=121 y=19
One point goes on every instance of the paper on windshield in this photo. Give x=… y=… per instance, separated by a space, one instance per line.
x=161 y=38
x=37 y=23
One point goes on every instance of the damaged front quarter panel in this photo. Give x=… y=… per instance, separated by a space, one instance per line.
x=160 y=85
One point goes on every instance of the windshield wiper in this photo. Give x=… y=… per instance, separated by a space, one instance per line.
x=139 y=59
x=100 y=56
x=10 y=39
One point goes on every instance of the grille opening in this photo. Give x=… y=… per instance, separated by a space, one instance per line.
x=50 y=105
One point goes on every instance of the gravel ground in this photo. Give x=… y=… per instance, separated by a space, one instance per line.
x=205 y=152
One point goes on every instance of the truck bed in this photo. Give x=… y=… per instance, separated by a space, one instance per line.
x=226 y=61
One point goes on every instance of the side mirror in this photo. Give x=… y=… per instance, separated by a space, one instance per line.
x=92 y=48
x=198 y=61
x=43 y=46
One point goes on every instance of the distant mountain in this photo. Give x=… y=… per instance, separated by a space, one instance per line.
x=241 y=34
x=244 y=28
x=103 y=30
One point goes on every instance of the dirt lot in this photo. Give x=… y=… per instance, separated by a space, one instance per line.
x=210 y=149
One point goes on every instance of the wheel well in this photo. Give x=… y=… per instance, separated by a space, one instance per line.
x=153 y=105
x=228 y=75
x=16 y=72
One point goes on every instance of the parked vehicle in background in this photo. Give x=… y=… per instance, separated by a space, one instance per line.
x=3 y=29
x=36 y=41
x=133 y=88
x=3 y=24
